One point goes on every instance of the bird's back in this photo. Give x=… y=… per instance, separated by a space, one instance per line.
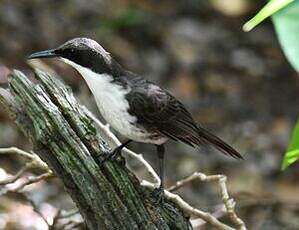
x=158 y=111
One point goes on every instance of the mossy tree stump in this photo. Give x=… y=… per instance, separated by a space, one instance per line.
x=108 y=195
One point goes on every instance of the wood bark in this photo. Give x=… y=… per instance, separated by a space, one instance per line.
x=108 y=195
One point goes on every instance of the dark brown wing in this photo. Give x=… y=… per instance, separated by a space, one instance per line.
x=158 y=110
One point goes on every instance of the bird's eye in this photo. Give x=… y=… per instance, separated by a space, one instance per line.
x=72 y=50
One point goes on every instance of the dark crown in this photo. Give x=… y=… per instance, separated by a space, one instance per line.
x=85 y=52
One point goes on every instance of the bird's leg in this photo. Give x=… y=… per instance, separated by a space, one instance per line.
x=115 y=152
x=160 y=153
x=158 y=193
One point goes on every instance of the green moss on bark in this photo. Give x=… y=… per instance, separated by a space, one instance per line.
x=108 y=196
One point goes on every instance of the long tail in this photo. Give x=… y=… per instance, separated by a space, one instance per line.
x=218 y=143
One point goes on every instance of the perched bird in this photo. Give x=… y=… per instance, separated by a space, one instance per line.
x=138 y=109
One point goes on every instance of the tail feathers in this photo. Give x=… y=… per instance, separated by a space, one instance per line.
x=219 y=144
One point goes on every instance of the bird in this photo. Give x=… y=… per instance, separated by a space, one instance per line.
x=138 y=109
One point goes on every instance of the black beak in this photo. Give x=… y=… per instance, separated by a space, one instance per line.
x=43 y=54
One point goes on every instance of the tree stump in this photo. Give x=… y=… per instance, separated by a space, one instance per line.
x=108 y=195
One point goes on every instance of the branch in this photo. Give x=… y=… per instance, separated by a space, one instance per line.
x=35 y=162
x=219 y=213
x=228 y=202
x=67 y=214
x=37 y=211
x=65 y=220
x=14 y=178
x=27 y=181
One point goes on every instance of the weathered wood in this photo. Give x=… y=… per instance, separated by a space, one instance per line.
x=108 y=196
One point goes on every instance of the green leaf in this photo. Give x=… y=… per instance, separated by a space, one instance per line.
x=292 y=153
x=269 y=9
x=286 y=23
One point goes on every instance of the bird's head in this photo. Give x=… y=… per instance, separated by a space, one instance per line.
x=84 y=52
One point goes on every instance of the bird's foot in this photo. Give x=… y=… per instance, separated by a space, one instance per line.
x=158 y=195
x=114 y=155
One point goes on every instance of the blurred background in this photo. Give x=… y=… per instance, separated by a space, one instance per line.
x=238 y=85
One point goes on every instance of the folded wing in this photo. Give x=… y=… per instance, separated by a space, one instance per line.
x=156 y=109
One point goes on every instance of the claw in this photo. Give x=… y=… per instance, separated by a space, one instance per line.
x=114 y=155
x=158 y=195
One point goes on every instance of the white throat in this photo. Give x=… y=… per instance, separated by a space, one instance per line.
x=105 y=92
x=110 y=97
x=97 y=83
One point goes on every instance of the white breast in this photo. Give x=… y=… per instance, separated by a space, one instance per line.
x=113 y=106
